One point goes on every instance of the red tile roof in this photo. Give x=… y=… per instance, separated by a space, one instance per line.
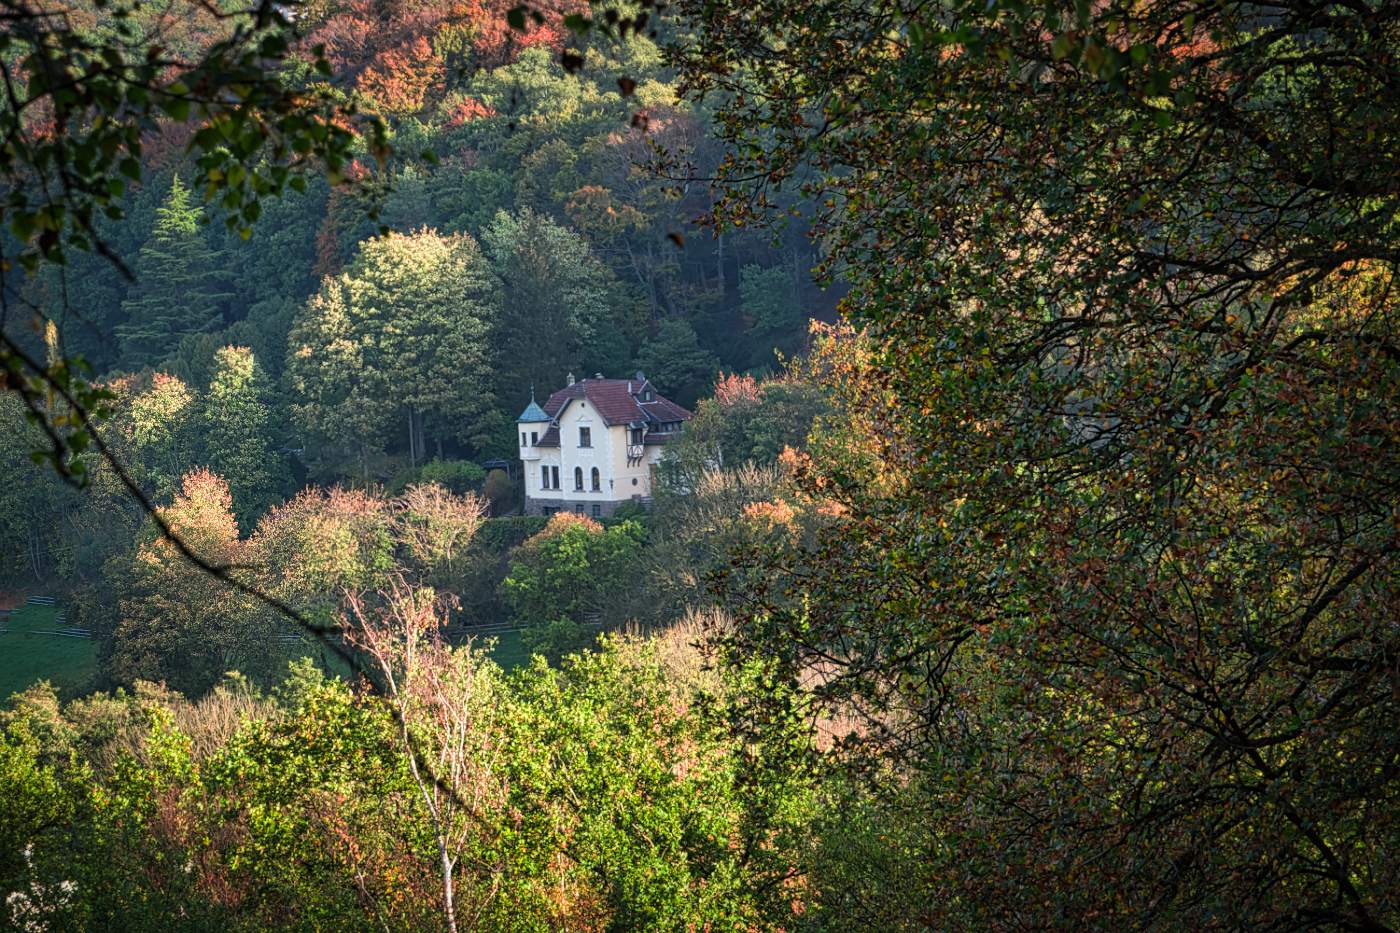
x=618 y=401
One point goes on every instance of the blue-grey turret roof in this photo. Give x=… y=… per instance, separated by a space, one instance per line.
x=533 y=413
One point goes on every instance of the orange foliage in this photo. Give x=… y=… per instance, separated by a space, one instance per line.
x=769 y=514
x=559 y=522
x=466 y=111
x=327 y=249
x=202 y=514
x=398 y=80
x=386 y=47
x=735 y=389
x=497 y=44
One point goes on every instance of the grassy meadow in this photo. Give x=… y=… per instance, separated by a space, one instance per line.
x=26 y=657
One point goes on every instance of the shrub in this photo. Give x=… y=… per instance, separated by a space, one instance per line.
x=502 y=534
x=456 y=475
x=564 y=570
x=500 y=492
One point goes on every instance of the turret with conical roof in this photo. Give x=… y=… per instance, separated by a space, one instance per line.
x=533 y=412
x=533 y=417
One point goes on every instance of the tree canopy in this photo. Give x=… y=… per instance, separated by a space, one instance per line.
x=179 y=293
x=403 y=330
x=1116 y=587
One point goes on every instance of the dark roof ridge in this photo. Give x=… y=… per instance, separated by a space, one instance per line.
x=616 y=401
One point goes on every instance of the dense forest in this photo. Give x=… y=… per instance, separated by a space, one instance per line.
x=512 y=180
x=1029 y=561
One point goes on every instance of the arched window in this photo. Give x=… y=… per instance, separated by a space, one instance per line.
x=578 y=477
x=597 y=481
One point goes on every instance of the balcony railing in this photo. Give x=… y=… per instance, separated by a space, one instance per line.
x=636 y=451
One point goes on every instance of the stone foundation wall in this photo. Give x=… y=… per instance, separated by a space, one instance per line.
x=606 y=507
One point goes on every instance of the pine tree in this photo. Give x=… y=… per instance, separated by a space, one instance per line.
x=554 y=298
x=772 y=306
x=179 y=289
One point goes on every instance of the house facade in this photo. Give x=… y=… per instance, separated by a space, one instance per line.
x=593 y=444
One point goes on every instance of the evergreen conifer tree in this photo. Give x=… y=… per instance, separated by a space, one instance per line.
x=675 y=362
x=554 y=297
x=772 y=306
x=179 y=285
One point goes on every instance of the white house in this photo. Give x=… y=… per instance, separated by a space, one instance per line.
x=593 y=445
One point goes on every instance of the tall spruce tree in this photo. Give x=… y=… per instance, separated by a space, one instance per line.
x=178 y=290
x=555 y=295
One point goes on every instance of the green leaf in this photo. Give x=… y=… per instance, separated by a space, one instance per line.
x=178 y=108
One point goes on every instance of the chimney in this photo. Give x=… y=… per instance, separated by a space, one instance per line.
x=571 y=379
x=597 y=375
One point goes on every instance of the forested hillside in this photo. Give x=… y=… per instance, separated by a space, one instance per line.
x=511 y=180
x=1054 y=586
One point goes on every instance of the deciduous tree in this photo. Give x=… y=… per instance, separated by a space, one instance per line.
x=402 y=334
x=564 y=571
x=180 y=625
x=238 y=436
x=156 y=420
x=1114 y=596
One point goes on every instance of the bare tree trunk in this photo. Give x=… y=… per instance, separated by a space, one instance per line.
x=446 y=728
x=439 y=445
x=720 y=267
x=439 y=831
x=651 y=279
